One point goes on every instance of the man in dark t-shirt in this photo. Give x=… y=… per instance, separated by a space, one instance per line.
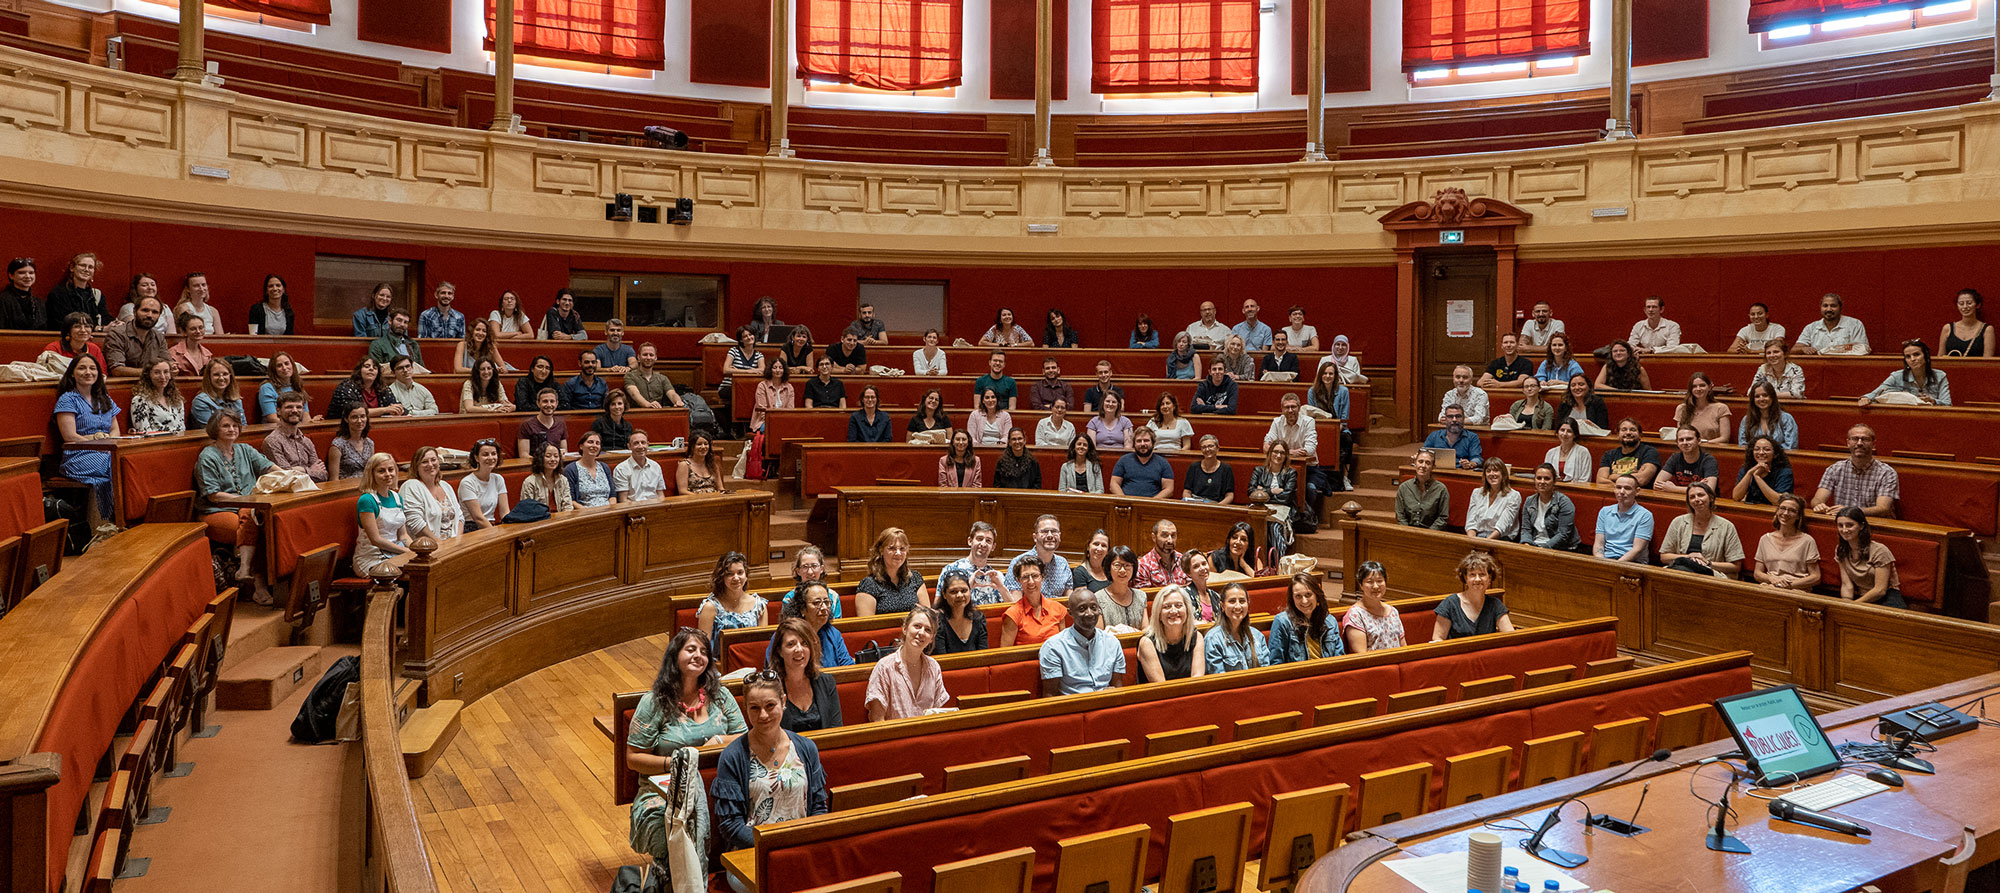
x=823 y=390
x=1509 y=366
x=1631 y=456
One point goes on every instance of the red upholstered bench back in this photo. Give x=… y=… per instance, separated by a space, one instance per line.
x=143 y=475
x=20 y=500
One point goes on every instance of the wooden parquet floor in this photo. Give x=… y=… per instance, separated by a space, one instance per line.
x=521 y=801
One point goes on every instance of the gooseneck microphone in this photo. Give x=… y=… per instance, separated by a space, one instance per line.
x=1534 y=846
x=1791 y=812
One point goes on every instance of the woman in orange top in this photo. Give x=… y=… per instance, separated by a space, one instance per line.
x=1033 y=619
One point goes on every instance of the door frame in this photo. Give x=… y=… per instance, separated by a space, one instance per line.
x=1480 y=221
x=1428 y=317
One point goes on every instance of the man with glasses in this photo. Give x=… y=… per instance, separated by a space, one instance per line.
x=289 y=447
x=1859 y=481
x=1054 y=572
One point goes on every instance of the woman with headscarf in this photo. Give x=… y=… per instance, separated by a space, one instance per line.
x=1349 y=364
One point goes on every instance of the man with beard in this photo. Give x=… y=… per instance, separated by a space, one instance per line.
x=1859 y=481
x=1162 y=565
x=1463 y=444
x=289 y=447
x=1142 y=473
x=132 y=345
x=395 y=342
x=1080 y=659
x=1833 y=334
x=989 y=583
x=1631 y=456
x=1050 y=387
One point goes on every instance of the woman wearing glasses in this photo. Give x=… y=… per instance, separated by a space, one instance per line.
x=687 y=707
x=812 y=700
x=769 y=775
x=815 y=604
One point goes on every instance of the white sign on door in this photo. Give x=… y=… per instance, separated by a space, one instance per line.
x=1458 y=319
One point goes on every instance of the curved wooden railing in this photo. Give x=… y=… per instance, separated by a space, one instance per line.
x=399 y=862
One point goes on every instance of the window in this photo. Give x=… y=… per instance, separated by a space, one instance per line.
x=1447 y=34
x=1801 y=22
x=905 y=305
x=291 y=15
x=1495 y=71
x=342 y=285
x=650 y=299
x=618 y=33
x=1170 y=46
x=899 y=45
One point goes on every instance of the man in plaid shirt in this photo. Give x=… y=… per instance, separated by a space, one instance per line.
x=1161 y=565
x=1859 y=480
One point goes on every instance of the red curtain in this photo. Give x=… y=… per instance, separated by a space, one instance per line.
x=1449 y=32
x=317 y=12
x=1159 y=46
x=882 y=44
x=625 y=33
x=1768 y=15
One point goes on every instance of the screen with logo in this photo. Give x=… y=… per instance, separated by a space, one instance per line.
x=1780 y=738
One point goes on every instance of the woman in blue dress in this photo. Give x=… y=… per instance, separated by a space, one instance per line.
x=84 y=412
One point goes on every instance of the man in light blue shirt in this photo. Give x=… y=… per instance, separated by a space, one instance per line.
x=1625 y=529
x=1453 y=436
x=1255 y=335
x=1056 y=578
x=1082 y=658
x=989 y=585
x=614 y=355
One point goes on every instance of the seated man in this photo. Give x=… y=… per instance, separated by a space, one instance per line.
x=289 y=447
x=1214 y=394
x=648 y=387
x=1256 y=335
x=585 y=389
x=1453 y=436
x=1689 y=464
x=614 y=355
x=850 y=356
x=1470 y=400
x=989 y=583
x=1095 y=394
x=395 y=342
x=1859 y=481
x=1537 y=330
x=416 y=398
x=1053 y=569
x=1655 y=333
x=1625 y=528
x=1548 y=517
x=441 y=321
x=639 y=478
x=562 y=322
x=1631 y=456
x=868 y=329
x=998 y=381
x=1423 y=501
x=1142 y=473
x=1081 y=658
x=1507 y=368
x=1206 y=333
x=1833 y=334
x=1050 y=387
x=823 y=391
x=1161 y=564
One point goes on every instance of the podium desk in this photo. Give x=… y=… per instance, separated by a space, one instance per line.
x=1913 y=826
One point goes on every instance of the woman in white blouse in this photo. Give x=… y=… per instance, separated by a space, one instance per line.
x=1495 y=510
x=928 y=359
x=1780 y=371
x=483 y=493
x=429 y=505
x=1571 y=459
x=1055 y=429
x=510 y=321
x=1170 y=429
x=989 y=424
x=194 y=299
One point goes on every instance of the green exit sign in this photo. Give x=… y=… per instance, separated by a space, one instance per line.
x=1451 y=237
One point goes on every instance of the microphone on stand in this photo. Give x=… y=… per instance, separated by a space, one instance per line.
x=1900 y=758
x=1534 y=846
x=1719 y=838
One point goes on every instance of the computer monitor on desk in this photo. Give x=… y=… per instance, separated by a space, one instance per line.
x=1781 y=740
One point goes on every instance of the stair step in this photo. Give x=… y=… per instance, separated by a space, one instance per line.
x=427 y=733
x=256 y=629
x=266 y=678
x=782 y=553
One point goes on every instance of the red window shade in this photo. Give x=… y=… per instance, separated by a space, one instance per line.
x=1447 y=32
x=882 y=44
x=317 y=12
x=625 y=33
x=1767 y=15
x=1156 y=46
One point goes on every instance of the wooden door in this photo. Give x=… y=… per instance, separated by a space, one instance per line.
x=1455 y=284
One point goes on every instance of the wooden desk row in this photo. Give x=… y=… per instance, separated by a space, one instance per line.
x=825 y=467
x=1835 y=648
x=1023 y=363
x=1241 y=434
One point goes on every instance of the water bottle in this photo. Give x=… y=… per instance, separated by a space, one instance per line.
x=1521 y=887
x=1550 y=886
x=1509 y=877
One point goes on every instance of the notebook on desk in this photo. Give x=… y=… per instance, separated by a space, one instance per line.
x=1781 y=740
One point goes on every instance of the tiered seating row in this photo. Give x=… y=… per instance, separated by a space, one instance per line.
x=826 y=467
x=1237 y=434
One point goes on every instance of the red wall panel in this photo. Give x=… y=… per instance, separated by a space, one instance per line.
x=1012 y=44
x=729 y=42
x=1347 y=50
x=418 y=24
x=1669 y=31
x=236 y=263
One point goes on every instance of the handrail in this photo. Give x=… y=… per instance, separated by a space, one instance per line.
x=401 y=863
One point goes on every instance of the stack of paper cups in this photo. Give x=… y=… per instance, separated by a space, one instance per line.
x=1482 y=861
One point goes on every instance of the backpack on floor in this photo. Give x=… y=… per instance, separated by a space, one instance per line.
x=699 y=415
x=318 y=717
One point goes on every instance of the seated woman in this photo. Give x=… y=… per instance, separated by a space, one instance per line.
x=1531 y=411
x=1093 y=573
x=541 y=377
x=283 y=376
x=481 y=391
x=1235 y=360
x=1123 y=604
x=610 y=426
x=1057 y=332
x=815 y=604
x=1560 y=365
x=869 y=424
x=1494 y=510
x=1916 y=379
x=546 y=482
x=84 y=412
x=1780 y=372
x=1301 y=631
x=347 y=455
x=1572 y=460
x=1699 y=542
x=218 y=392
x=227 y=469
x=1233 y=644
x=1349 y=365
x=76 y=329
x=907 y=681
x=729 y=603
x=379 y=511
x=589 y=479
x=1172 y=647
x=685 y=707
x=482 y=495
x=1211 y=479
x=1055 y=429
x=1017 y=468
x=1239 y=552
x=1004 y=332
x=963 y=626
x=1205 y=601
x=809 y=567
x=429 y=504
x=1621 y=370
x=1708 y=416
x=1143 y=334
x=1788 y=558
x=699 y=472
x=157 y=407
x=797 y=352
x=1582 y=402
x=812 y=698
x=366 y=386
x=1767 y=417
x=774 y=392
x=1183 y=363
x=959 y=466
x=1867 y=568
x=1765 y=475
x=190 y=356
x=1548 y=517
x=1084 y=472
x=929 y=359
x=891 y=586
x=1374 y=624
x=1472 y=612
x=1276 y=484
x=930 y=415
x=477 y=345
x=989 y=424
x=1968 y=335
